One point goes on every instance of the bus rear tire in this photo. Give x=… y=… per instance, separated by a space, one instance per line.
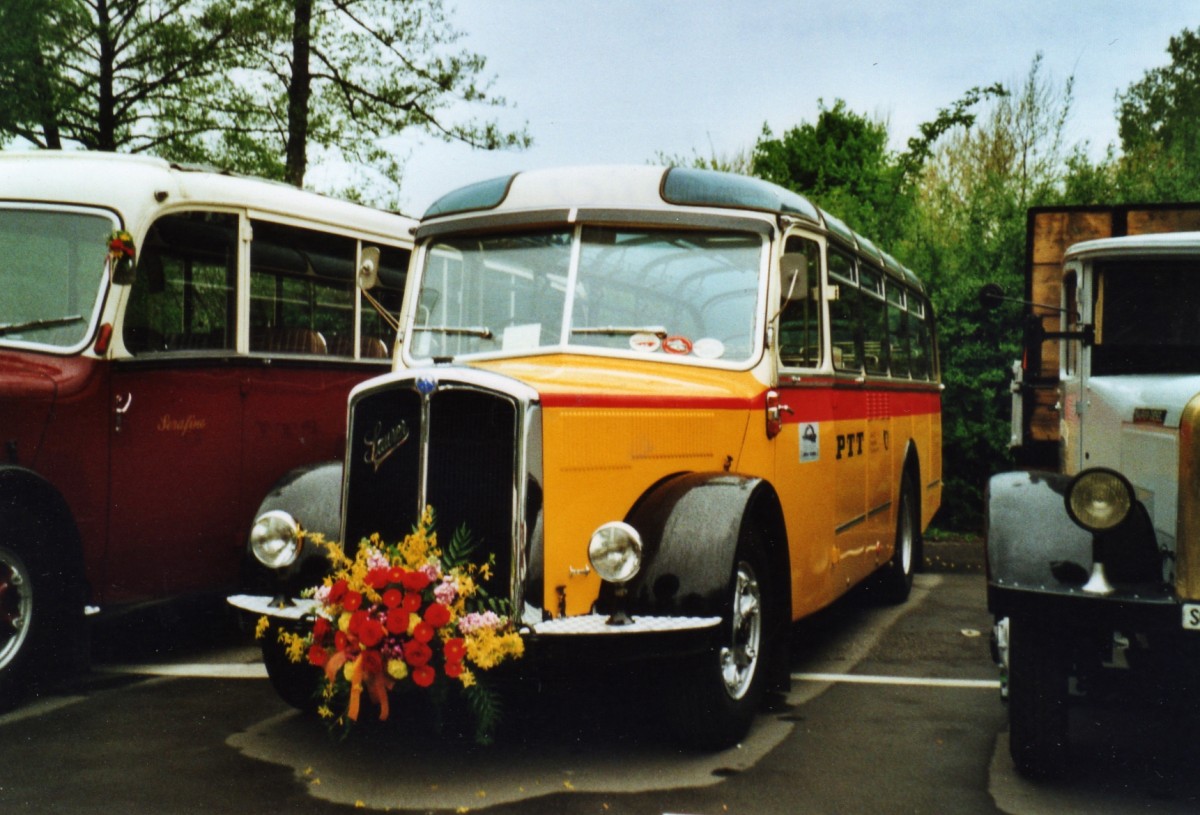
x=893 y=583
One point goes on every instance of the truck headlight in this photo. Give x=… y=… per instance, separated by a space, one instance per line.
x=615 y=552
x=275 y=539
x=1099 y=499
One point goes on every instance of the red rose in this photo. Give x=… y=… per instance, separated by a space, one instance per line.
x=453 y=669
x=454 y=649
x=341 y=642
x=317 y=656
x=437 y=615
x=352 y=601
x=337 y=591
x=423 y=632
x=416 y=581
x=417 y=653
x=371 y=632
x=411 y=602
x=377 y=578
x=397 y=621
x=357 y=620
x=392 y=598
x=423 y=676
x=396 y=574
x=320 y=629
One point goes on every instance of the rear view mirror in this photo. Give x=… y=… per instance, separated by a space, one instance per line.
x=793 y=276
x=368 y=268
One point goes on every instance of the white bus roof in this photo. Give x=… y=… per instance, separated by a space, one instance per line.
x=134 y=185
x=1166 y=243
x=625 y=188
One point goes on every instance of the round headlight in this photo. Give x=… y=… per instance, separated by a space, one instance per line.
x=275 y=539
x=615 y=552
x=1099 y=499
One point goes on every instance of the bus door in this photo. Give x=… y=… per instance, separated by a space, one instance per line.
x=806 y=446
x=175 y=457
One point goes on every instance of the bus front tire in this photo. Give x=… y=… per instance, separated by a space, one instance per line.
x=722 y=688
x=297 y=683
x=40 y=620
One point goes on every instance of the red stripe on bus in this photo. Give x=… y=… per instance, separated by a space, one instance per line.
x=807 y=404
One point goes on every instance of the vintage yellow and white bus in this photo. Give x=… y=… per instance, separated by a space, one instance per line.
x=680 y=408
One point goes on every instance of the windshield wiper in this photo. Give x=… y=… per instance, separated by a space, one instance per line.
x=615 y=330
x=480 y=331
x=9 y=328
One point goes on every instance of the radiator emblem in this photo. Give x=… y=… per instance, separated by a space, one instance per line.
x=382 y=443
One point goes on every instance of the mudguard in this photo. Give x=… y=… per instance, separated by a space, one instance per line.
x=1039 y=560
x=55 y=525
x=690 y=527
x=1029 y=534
x=312 y=495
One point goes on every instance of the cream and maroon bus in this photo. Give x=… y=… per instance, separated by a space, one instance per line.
x=172 y=342
x=681 y=408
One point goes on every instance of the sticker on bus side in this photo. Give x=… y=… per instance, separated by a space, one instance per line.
x=810 y=441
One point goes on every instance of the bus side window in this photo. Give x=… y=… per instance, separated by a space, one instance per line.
x=301 y=291
x=184 y=295
x=899 y=350
x=874 y=321
x=921 y=339
x=800 y=320
x=843 y=314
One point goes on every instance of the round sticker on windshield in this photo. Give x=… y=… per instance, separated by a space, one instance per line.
x=677 y=345
x=709 y=348
x=645 y=342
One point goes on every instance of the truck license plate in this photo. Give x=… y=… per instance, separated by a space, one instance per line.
x=1191 y=616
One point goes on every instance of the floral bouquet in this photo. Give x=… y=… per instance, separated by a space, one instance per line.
x=402 y=615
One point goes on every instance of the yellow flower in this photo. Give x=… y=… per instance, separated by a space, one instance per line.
x=260 y=628
x=294 y=645
x=487 y=649
x=344 y=622
x=324 y=712
x=397 y=669
x=467 y=678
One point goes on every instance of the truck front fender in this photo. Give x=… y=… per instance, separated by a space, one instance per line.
x=1031 y=541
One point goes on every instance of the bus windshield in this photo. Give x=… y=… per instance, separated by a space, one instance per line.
x=51 y=274
x=629 y=290
x=1146 y=317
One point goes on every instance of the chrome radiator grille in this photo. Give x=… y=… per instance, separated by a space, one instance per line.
x=450 y=444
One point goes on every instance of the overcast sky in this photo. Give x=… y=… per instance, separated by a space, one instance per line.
x=619 y=81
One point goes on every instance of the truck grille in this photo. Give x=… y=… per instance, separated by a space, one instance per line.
x=453 y=443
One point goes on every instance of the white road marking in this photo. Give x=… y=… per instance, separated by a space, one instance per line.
x=192 y=670
x=989 y=684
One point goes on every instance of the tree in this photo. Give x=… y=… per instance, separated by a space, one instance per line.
x=343 y=75
x=968 y=229
x=1159 y=126
x=99 y=73
x=842 y=162
x=249 y=85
